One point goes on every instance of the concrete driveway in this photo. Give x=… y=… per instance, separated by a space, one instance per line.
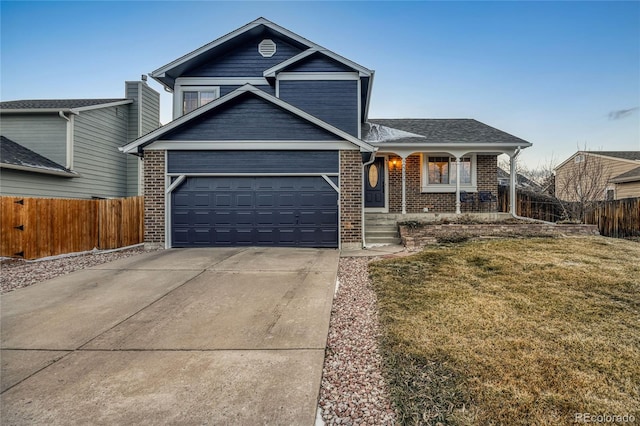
x=184 y=336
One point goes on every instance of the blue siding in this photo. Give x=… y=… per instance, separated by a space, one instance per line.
x=244 y=61
x=318 y=63
x=224 y=90
x=249 y=118
x=334 y=101
x=253 y=162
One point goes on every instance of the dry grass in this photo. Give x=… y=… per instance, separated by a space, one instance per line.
x=512 y=331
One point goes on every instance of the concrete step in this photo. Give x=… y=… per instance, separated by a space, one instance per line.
x=382 y=240
x=392 y=233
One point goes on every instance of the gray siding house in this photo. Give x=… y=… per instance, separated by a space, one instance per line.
x=271 y=144
x=68 y=148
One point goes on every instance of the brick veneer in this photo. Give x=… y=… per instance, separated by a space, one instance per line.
x=350 y=198
x=436 y=202
x=154 y=198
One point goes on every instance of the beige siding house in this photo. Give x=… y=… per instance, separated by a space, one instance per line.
x=599 y=175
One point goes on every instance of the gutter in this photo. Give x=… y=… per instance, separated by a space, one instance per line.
x=39 y=170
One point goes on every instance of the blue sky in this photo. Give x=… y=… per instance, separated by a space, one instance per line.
x=558 y=74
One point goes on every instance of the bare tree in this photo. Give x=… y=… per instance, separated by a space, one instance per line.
x=581 y=182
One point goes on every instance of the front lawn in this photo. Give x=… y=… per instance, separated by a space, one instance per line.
x=513 y=332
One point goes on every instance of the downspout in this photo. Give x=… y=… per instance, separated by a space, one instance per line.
x=512 y=187
x=70 y=135
x=512 y=190
x=372 y=158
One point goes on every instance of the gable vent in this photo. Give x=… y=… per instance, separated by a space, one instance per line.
x=267 y=48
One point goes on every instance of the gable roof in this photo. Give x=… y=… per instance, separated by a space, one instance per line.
x=15 y=156
x=55 y=105
x=166 y=74
x=151 y=137
x=454 y=131
x=632 y=175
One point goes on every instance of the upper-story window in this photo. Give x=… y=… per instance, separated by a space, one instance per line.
x=195 y=97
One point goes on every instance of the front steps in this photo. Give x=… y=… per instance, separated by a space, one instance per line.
x=381 y=228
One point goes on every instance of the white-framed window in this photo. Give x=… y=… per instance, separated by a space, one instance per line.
x=193 y=97
x=439 y=172
x=187 y=97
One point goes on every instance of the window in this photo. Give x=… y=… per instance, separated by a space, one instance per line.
x=442 y=171
x=439 y=173
x=192 y=99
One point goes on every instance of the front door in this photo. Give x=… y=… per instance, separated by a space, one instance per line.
x=374 y=184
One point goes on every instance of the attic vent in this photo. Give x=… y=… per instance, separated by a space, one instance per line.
x=267 y=48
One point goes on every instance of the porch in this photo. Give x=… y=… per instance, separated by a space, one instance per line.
x=382 y=228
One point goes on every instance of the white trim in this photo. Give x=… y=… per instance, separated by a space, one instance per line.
x=265 y=46
x=251 y=145
x=330 y=182
x=359 y=69
x=167 y=204
x=133 y=146
x=221 y=81
x=98 y=106
x=178 y=96
x=317 y=76
x=426 y=187
x=251 y=174
x=366 y=107
x=359 y=94
x=39 y=170
x=176 y=183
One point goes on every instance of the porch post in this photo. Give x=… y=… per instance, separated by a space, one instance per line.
x=458 y=211
x=512 y=183
x=404 y=185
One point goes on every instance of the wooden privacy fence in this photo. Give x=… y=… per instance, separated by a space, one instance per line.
x=531 y=204
x=38 y=227
x=616 y=218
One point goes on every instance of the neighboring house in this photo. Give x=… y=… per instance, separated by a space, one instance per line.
x=68 y=148
x=271 y=144
x=599 y=175
x=522 y=182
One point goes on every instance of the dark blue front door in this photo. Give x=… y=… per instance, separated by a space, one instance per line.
x=374 y=184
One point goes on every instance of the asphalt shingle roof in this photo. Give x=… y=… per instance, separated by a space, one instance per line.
x=456 y=130
x=631 y=175
x=626 y=155
x=55 y=103
x=17 y=155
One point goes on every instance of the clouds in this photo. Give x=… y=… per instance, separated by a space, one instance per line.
x=621 y=113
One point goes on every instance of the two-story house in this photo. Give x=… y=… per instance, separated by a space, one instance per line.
x=68 y=148
x=271 y=144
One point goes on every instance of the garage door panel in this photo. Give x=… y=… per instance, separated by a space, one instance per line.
x=272 y=211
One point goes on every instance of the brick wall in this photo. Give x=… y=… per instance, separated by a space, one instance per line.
x=351 y=198
x=436 y=202
x=154 y=198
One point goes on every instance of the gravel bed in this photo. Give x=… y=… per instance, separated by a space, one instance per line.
x=353 y=390
x=18 y=273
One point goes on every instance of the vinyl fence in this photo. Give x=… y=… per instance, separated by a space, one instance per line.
x=32 y=228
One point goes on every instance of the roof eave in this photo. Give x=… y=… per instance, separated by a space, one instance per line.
x=39 y=170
